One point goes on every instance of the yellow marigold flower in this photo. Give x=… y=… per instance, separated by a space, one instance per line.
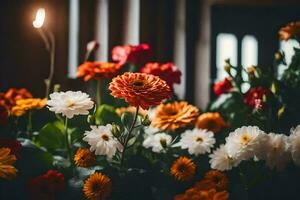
x=219 y=178
x=290 y=31
x=211 y=121
x=183 y=169
x=24 y=105
x=7 y=170
x=172 y=116
x=97 y=187
x=84 y=158
x=130 y=109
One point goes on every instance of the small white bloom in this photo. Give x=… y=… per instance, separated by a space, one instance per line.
x=221 y=160
x=150 y=130
x=277 y=151
x=70 y=103
x=244 y=142
x=294 y=141
x=158 y=142
x=102 y=140
x=197 y=141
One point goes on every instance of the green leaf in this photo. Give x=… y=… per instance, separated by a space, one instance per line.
x=106 y=114
x=127 y=119
x=51 y=136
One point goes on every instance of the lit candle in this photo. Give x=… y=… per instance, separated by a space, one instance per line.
x=39 y=18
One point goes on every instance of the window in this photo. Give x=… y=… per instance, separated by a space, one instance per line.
x=226 y=49
x=288 y=48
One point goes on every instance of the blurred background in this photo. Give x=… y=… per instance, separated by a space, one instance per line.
x=197 y=35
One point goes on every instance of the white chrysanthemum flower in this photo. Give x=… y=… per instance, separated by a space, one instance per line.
x=150 y=130
x=158 y=142
x=221 y=160
x=277 y=153
x=244 y=142
x=294 y=141
x=70 y=103
x=102 y=140
x=197 y=141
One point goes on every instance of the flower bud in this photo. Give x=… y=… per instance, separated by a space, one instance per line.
x=56 y=88
x=251 y=71
x=91 y=119
x=146 y=121
x=116 y=130
x=92 y=46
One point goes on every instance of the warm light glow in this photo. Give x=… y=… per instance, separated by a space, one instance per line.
x=39 y=18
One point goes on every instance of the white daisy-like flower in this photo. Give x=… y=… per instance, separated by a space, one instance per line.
x=197 y=141
x=102 y=141
x=150 y=130
x=244 y=142
x=294 y=141
x=158 y=142
x=277 y=151
x=70 y=103
x=221 y=160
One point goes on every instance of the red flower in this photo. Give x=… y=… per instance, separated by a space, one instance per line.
x=137 y=55
x=3 y=115
x=255 y=95
x=168 y=72
x=222 y=87
x=46 y=186
x=14 y=145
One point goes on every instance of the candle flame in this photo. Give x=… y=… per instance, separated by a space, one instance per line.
x=39 y=18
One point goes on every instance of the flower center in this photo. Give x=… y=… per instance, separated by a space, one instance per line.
x=245 y=139
x=181 y=168
x=105 y=137
x=199 y=139
x=96 y=187
x=163 y=142
x=138 y=83
x=70 y=103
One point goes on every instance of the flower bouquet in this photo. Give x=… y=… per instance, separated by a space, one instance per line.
x=133 y=139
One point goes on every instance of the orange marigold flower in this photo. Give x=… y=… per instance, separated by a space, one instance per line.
x=168 y=72
x=211 y=121
x=97 y=70
x=205 y=184
x=219 y=178
x=7 y=170
x=172 y=116
x=97 y=187
x=290 y=31
x=130 y=109
x=24 y=105
x=10 y=97
x=183 y=169
x=84 y=158
x=140 y=89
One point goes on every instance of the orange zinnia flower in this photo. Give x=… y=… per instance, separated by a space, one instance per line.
x=183 y=169
x=84 y=158
x=7 y=170
x=211 y=121
x=140 y=89
x=24 y=105
x=97 y=70
x=218 y=178
x=290 y=31
x=97 y=187
x=172 y=116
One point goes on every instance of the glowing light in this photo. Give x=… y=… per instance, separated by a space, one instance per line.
x=39 y=18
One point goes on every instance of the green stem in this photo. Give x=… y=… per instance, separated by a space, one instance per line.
x=29 y=124
x=67 y=140
x=128 y=136
x=243 y=178
x=98 y=93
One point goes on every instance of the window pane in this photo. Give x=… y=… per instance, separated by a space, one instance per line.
x=226 y=48
x=249 y=56
x=288 y=48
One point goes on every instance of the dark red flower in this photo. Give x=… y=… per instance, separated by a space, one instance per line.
x=46 y=186
x=14 y=145
x=3 y=115
x=137 y=55
x=254 y=96
x=168 y=72
x=222 y=87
